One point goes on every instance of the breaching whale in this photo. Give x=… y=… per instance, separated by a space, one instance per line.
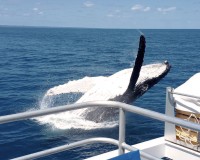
x=125 y=86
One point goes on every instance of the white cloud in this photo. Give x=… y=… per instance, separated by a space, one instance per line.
x=139 y=7
x=35 y=9
x=26 y=14
x=165 y=10
x=114 y=13
x=117 y=11
x=38 y=11
x=110 y=15
x=146 y=9
x=88 y=4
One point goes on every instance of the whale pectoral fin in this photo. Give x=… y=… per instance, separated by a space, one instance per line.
x=138 y=64
x=128 y=95
x=140 y=89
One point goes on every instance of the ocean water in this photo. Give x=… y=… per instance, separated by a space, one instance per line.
x=33 y=60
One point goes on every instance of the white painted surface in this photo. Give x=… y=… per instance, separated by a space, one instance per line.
x=159 y=148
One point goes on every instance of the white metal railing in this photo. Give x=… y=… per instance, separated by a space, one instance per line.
x=122 y=109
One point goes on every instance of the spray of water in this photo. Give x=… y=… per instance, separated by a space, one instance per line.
x=61 y=95
x=141 y=33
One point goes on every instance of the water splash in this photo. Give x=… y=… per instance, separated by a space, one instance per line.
x=62 y=95
x=141 y=33
x=45 y=102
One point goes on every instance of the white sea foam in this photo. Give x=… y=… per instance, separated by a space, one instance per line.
x=71 y=119
x=68 y=120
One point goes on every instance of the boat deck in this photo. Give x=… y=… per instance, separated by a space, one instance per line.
x=159 y=148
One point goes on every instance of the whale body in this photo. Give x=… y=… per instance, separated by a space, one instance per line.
x=124 y=86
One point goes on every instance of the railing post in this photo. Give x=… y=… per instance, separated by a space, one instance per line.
x=170 y=133
x=121 y=130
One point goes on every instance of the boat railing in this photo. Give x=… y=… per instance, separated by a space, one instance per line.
x=123 y=108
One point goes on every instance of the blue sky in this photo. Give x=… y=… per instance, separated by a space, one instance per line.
x=133 y=14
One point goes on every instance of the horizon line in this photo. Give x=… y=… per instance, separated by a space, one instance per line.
x=29 y=26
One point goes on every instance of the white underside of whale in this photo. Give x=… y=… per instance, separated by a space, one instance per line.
x=105 y=88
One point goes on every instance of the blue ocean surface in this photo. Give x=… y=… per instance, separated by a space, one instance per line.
x=33 y=60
